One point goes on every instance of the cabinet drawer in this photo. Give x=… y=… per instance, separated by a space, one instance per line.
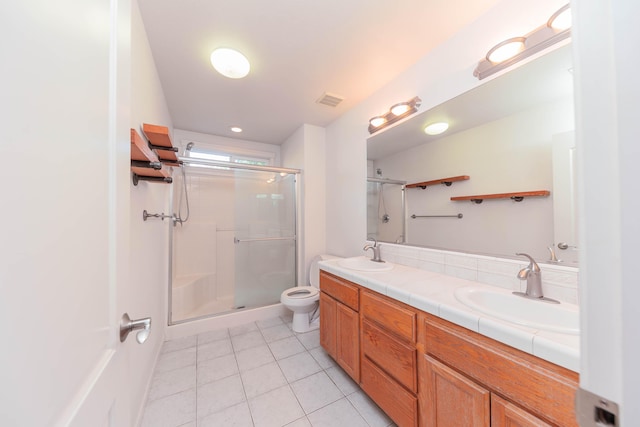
x=340 y=289
x=392 y=355
x=389 y=315
x=397 y=402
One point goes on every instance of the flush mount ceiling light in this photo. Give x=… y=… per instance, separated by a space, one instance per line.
x=436 y=128
x=396 y=112
x=230 y=63
x=515 y=49
x=235 y=129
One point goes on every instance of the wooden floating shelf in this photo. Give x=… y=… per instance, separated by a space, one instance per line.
x=145 y=163
x=518 y=196
x=445 y=181
x=160 y=141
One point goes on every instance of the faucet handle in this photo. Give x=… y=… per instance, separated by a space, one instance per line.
x=533 y=265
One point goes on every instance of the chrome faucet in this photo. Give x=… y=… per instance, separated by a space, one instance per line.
x=533 y=276
x=376 y=250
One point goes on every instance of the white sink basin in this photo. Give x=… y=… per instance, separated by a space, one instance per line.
x=504 y=305
x=364 y=264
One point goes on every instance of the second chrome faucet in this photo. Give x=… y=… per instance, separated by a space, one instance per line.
x=533 y=276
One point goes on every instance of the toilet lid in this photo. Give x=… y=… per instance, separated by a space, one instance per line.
x=302 y=292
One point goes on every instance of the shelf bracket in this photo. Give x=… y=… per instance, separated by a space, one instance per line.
x=137 y=178
x=476 y=201
x=447 y=183
x=517 y=198
x=144 y=164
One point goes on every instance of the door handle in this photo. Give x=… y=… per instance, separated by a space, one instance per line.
x=127 y=325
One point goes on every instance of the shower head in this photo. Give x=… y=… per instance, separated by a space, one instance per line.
x=188 y=147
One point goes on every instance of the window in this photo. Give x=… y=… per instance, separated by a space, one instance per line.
x=230 y=156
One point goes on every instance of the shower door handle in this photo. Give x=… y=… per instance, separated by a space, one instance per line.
x=127 y=325
x=262 y=239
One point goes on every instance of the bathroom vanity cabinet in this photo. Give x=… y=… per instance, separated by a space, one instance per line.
x=469 y=379
x=425 y=371
x=389 y=356
x=339 y=322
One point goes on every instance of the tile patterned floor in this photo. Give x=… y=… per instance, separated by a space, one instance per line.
x=261 y=374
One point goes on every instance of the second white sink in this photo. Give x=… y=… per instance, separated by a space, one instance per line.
x=504 y=305
x=362 y=263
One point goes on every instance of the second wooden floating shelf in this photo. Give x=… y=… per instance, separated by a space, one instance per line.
x=445 y=181
x=518 y=196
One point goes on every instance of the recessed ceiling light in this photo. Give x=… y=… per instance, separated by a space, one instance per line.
x=235 y=129
x=436 y=128
x=230 y=63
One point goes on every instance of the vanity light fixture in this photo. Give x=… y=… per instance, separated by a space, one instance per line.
x=561 y=20
x=436 y=128
x=515 y=49
x=230 y=63
x=396 y=112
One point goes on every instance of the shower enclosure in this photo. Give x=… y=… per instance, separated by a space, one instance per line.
x=233 y=243
x=386 y=210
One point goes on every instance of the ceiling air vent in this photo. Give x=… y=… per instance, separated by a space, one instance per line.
x=330 y=99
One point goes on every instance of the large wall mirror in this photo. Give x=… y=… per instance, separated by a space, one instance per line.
x=513 y=133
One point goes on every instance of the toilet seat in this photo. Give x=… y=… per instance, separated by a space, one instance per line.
x=301 y=292
x=300 y=296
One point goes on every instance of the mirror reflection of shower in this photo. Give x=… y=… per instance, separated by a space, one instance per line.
x=386 y=208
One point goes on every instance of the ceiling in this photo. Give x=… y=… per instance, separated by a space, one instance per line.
x=298 y=49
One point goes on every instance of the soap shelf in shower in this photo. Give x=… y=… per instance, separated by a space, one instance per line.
x=445 y=181
x=516 y=197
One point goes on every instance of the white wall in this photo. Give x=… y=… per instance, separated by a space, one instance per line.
x=147 y=290
x=305 y=150
x=441 y=75
x=607 y=111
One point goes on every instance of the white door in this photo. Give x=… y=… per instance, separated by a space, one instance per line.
x=64 y=204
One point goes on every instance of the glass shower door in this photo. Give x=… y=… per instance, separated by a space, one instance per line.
x=265 y=240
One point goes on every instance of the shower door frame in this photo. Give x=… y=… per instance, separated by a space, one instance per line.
x=403 y=202
x=220 y=164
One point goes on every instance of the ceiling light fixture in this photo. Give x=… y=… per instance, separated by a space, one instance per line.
x=515 y=49
x=230 y=63
x=505 y=50
x=396 y=112
x=436 y=128
x=561 y=20
x=235 y=129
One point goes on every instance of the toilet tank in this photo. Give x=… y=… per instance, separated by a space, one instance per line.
x=314 y=270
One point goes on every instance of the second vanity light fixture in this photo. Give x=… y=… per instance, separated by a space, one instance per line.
x=515 y=49
x=396 y=112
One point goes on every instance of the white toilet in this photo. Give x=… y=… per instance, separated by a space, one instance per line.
x=303 y=300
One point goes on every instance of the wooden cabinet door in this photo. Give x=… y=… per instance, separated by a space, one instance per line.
x=348 y=340
x=328 y=325
x=453 y=400
x=506 y=414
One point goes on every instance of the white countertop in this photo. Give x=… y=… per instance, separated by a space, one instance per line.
x=434 y=293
